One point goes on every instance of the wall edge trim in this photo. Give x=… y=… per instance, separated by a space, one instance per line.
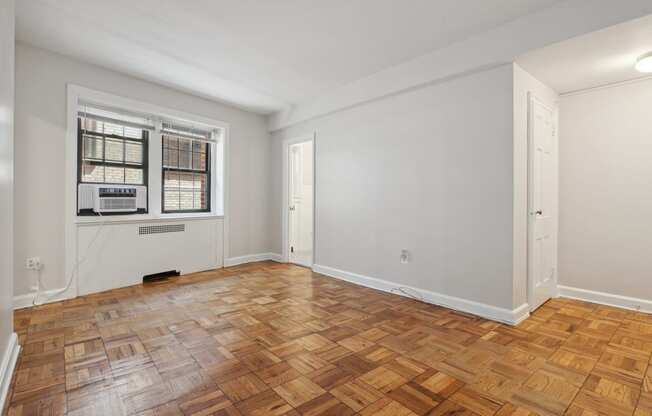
x=506 y=316
x=603 y=298
x=7 y=370
x=251 y=258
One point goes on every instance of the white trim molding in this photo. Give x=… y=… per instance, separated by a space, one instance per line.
x=251 y=258
x=285 y=212
x=8 y=365
x=56 y=295
x=510 y=317
x=609 y=299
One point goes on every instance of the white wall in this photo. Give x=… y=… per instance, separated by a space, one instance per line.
x=429 y=170
x=605 y=230
x=41 y=79
x=111 y=263
x=7 y=8
x=524 y=83
x=562 y=20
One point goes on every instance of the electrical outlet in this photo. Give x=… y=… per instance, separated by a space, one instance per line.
x=33 y=263
x=405 y=256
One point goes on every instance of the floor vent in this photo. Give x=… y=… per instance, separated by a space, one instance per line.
x=155 y=277
x=159 y=229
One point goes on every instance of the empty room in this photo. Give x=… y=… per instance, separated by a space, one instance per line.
x=325 y=208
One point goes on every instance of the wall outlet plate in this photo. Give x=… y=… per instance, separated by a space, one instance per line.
x=33 y=263
x=405 y=256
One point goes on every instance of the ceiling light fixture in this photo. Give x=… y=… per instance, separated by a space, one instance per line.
x=644 y=63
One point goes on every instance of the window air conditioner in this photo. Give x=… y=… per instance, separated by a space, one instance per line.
x=111 y=198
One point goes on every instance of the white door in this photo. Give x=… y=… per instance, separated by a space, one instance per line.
x=300 y=203
x=542 y=204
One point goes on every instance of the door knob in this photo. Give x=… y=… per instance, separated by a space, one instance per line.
x=539 y=212
x=292 y=208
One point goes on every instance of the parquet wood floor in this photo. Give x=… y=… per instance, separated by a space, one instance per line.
x=275 y=339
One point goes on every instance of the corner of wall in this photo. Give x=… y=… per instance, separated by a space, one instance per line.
x=8 y=339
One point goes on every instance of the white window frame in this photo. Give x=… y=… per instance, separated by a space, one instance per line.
x=219 y=160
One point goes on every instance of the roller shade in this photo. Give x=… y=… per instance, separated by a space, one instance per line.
x=109 y=115
x=189 y=132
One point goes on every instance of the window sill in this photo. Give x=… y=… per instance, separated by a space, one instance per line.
x=141 y=218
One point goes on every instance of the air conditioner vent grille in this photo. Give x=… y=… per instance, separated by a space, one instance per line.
x=111 y=204
x=159 y=229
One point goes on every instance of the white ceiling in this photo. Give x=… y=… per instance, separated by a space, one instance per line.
x=592 y=60
x=257 y=54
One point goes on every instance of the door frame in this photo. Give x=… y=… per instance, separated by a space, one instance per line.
x=285 y=209
x=531 y=100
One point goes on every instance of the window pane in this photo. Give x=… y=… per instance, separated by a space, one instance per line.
x=93 y=148
x=186 y=181
x=185 y=191
x=114 y=159
x=197 y=162
x=185 y=160
x=171 y=200
x=114 y=150
x=171 y=180
x=92 y=125
x=197 y=181
x=184 y=145
x=92 y=173
x=197 y=200
x=133 y=133
x=110 y=128
x=134 y=152
x=173 y=158
x=134 y=176
x=171 y=142
x=104 y=127
x=114 y=175
x=201 y=182
x=186 y=201
x=198 y=146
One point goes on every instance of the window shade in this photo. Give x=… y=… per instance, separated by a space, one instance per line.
x=108 y=115
x=189 y=132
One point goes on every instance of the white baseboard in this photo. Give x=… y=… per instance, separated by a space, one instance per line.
x=608 y=299
x=49 y=296
x=7 y=369
x=234 y=261
x=511 y=317
x=25 y=301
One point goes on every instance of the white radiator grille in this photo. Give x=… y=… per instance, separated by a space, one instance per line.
x=158 y=229
x=112 y=204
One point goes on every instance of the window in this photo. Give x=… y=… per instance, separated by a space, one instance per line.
x=111 y=152
x=117 y=146
x=186 y=174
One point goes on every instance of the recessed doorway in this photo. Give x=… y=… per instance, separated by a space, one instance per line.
x=299 y=201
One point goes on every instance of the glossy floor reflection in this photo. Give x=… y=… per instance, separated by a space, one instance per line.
x=274 y=339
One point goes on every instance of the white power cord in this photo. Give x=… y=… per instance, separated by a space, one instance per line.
x=409 y=293
x=72 y=272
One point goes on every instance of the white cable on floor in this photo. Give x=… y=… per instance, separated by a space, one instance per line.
x=72 y=273
x=406 y=292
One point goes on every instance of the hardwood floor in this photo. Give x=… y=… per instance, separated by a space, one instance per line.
x=273 y=339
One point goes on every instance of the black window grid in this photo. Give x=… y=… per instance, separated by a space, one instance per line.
x=82 y=159
x=204 y=148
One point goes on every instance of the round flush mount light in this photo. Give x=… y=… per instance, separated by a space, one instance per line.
x=644 y=63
